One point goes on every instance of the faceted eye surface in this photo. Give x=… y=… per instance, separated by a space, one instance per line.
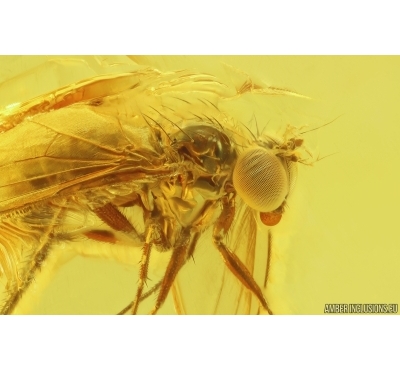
x=260 y=178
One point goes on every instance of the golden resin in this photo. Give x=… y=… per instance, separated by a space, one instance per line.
x=334 y=241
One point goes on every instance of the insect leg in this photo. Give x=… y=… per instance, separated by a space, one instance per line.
x=144 y=265
x=117 y=221
x=193 y=245
x=268 y=259
x=142 y=298
x=178 y=259
x=268 y=263
x=29 y=275
x=158 y=285
x=234 y=264
x=114 y=218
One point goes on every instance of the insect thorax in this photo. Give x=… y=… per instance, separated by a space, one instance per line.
x=206 y=156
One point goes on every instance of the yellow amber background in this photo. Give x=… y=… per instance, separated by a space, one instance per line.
x=339 y=240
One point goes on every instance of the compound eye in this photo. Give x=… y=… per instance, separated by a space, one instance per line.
x=261 y=179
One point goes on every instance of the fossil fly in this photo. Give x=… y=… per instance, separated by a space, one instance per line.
x=149 y=161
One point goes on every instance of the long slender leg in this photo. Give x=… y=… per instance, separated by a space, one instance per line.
x=177 y=298
x=268 y=263
x=142 y=298
x=40 y=256
x=178 y=259
x=153 y=235
x=182 y=250
x=234 y=264
x=268 y=259
x=144 y=266
x=158 y=285
x=117 y=221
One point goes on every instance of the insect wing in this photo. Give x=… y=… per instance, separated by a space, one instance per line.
x=69 y=155
x=52 y=148
x=208 y=276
